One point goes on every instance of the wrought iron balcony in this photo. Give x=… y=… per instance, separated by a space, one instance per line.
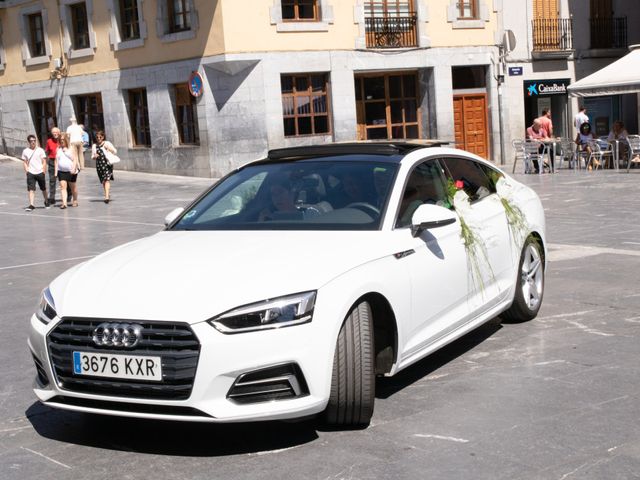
x=552 y=35
x=609 y=32
x=391 y=32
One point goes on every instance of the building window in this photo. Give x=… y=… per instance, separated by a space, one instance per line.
x=467 y=9
x=186 y=117
x=129 y=20
x=300 y=10
x=469 y=13
x=176 y=20
x=44 y=117
x=36 y=35
x=79 y=26
x=179 y=16
x=89 y=113
x=78 y=38
x=387 y=106
x=139 y=117
x=305 y=104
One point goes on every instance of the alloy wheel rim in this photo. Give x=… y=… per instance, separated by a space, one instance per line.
x=532 y=277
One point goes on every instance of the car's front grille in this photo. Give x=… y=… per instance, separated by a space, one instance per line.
x=175 y=343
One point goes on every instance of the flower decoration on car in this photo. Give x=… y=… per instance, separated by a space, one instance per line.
x=476 y=250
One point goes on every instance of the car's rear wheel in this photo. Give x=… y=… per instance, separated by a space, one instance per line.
x=353 y=380
x=530 y=283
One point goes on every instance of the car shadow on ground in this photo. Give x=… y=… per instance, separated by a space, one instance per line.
x=211 y=440
x=387 y=386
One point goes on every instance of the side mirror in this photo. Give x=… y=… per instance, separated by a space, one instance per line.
x=172 y=215
x=429 y=216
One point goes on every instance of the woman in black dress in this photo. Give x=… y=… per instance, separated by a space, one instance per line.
x=99 y=152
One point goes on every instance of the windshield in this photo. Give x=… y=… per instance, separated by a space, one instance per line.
x=302 y=195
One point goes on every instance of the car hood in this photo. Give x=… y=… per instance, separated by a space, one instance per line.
x=193 y=276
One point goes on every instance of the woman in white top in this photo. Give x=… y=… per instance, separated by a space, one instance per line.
x=99 y=152
x=67 y=169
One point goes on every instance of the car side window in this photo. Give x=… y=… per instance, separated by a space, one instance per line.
x=424 y=185
x=474 y=176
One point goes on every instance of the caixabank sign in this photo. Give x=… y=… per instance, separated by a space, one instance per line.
x=535 y=88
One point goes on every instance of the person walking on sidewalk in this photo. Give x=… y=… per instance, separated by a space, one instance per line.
x=35 y=162
x=67 y=169
x=75 y=132
x=51 y=149
x=99 y=152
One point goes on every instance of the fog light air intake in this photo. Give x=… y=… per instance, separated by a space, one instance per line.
x=279 y=382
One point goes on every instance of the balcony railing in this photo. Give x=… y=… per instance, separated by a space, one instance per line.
x=609 y=32
x=391 y=32
x=552 y=35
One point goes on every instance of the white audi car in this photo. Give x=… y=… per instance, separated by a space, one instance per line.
x=284 y=289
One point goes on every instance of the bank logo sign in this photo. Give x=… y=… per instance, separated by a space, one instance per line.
x=534 y=88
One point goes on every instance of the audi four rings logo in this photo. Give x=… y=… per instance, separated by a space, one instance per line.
x=117 y=335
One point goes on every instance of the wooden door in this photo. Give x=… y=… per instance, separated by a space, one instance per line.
x=470 y=122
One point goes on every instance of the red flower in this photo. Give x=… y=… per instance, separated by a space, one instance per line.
x=459 y=184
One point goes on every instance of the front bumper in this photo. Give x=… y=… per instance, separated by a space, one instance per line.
x=223 y=359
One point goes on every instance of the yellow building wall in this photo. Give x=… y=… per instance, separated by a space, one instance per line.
x=208 y=41
x=224 y=26
x=250 y=29
x=442 y=34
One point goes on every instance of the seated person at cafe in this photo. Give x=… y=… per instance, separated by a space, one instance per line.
x=619 y=133
x=582 y=140
x=537 y=132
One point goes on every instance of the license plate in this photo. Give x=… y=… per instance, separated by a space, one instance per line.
x=134 y=367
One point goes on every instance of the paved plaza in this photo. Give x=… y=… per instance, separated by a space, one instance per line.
x=554 y=398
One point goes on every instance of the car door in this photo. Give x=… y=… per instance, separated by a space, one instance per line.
x=492 y=261
x=436 y=263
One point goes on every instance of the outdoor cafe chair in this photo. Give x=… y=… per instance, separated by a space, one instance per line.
x=518 y=153
x=599 y=154
x=533 y=153
x=568 y=152
x=633 y=150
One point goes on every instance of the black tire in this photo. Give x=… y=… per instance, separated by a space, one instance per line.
x=527 y=298
x=353 y=380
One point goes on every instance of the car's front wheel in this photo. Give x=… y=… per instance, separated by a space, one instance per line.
x=530 y=283
x=353 y=380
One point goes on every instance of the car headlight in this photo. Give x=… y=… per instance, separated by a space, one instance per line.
x=47 y=309
x=275 y=313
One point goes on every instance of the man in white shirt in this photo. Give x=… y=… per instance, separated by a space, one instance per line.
x=35 y=162
x=75 y=132
x=581 y=118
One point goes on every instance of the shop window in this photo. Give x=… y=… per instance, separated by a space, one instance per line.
x=186 y=115
x=301 y=15
x=387 y=106
x=44 y=117
x=139 y=117
x=305 y=104
x=299 y=10
x=176 y=20
x=88 y=110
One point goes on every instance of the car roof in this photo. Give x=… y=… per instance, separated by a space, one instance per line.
x=392 y=151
